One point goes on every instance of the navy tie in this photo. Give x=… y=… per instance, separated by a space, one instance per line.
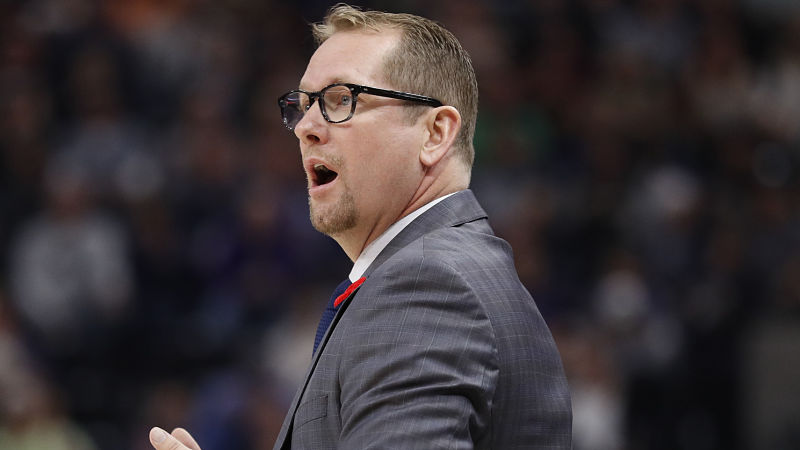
x=330 y=311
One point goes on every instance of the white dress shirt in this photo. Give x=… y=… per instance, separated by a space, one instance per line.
x=375 y=247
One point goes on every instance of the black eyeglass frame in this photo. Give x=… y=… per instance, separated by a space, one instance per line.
x=355 y=89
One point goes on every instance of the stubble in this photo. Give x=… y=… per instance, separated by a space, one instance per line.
x=334 y=219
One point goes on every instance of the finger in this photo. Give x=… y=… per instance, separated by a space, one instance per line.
x=185 y=438
x=163 y=441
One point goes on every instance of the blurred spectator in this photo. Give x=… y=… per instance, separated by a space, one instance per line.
x=777 y=92
x=70 y=274
x=108 y=147
x=598 y=418
x=718 y=79
x=770 y=390
x=658 y=31
x=25 y=113
x=32 y=418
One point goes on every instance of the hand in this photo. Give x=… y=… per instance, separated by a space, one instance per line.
x=180 y=439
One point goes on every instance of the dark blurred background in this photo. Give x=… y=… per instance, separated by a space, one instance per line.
x=158 y=267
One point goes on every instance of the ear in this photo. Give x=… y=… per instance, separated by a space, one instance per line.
x=441 y=127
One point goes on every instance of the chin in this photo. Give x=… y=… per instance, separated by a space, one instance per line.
x=334 y=219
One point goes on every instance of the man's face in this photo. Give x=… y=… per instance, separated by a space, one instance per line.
x=374 y=154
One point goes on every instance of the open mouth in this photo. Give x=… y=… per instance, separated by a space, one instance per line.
x=323 y=175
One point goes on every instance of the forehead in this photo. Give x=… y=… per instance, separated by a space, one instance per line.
x=349 y=56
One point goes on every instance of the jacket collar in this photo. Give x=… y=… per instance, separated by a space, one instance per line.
x=458 y=209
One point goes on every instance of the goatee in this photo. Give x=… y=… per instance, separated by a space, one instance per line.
x=336 y=218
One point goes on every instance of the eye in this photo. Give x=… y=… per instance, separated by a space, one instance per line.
x=341 y=98
x=337 y=98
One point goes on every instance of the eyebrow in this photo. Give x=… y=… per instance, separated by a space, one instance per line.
x=334 y=81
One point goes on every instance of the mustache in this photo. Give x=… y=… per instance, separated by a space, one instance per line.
x=335 y=160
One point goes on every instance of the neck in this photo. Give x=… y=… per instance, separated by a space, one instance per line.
x=432 y=187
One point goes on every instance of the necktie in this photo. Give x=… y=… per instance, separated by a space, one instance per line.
x=330 y=311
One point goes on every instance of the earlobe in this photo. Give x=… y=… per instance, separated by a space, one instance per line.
x=442 y=125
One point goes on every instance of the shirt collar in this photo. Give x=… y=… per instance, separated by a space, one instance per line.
x=375 y=247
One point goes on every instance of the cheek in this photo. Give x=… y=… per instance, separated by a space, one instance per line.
x=374 y=154
x=384 y=160
x=388 y=178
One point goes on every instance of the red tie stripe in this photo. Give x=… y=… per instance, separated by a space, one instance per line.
x=347 y=292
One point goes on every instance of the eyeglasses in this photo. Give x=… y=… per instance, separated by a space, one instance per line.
x=338 y=102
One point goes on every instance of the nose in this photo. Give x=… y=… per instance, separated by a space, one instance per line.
x=312 y=128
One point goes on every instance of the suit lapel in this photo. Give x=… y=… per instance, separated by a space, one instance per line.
x=284 y=437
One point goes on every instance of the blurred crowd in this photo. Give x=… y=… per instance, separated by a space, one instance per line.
x=158 y=267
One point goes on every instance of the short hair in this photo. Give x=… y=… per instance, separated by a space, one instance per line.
x=428 y=60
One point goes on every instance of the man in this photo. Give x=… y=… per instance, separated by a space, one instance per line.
x=436 y=344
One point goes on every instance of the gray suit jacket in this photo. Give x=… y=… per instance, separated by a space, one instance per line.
x=441 y=348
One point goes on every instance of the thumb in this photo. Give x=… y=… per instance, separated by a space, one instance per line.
x=161 y=440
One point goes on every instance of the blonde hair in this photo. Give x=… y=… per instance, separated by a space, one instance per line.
x=428 y=60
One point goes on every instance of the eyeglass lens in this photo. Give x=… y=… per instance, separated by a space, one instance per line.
x=338 y=102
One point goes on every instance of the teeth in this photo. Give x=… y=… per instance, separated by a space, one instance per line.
x=324 y=175
x=322 y=169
